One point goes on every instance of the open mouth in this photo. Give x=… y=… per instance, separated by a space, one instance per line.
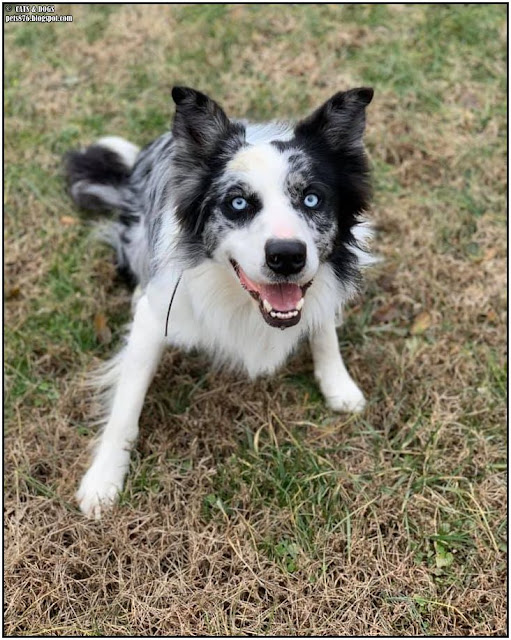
x=280 y=304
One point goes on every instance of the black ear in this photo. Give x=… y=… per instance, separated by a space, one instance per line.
x=199 y=121
x=340 y=122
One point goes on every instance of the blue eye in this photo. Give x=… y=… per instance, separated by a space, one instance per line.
x=311 y=200
x=239 y=203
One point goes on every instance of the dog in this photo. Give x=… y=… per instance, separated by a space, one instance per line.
x=242 y=239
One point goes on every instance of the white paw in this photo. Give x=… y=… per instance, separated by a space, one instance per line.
x=349 y=399
x=103 y=482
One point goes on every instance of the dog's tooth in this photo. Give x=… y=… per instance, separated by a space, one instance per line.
x=283 y=315
x=267 y=306
x=300 y=304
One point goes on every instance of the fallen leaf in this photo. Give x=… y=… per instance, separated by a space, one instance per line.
x=385 y=314
x=489 y=254
x=13 y=292
x=101 y=328
x=491 y=316
x=420 y=323
x=68 y=221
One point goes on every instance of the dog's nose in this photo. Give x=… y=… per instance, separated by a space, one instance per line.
x=285 y=257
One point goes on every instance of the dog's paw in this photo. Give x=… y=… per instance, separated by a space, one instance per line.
x=350 y=399
x=101 y=485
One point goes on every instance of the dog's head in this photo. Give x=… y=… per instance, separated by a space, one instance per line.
x=272 y=205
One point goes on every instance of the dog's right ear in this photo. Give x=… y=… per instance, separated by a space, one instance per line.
x=199 y=120
x=340 y=121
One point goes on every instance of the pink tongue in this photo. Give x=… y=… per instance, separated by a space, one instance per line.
x=282 y=297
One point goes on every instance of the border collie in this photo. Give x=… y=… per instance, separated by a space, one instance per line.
x=243 y=239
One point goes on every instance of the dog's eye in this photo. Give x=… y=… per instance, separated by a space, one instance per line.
x=311 y=200
x=239 y=203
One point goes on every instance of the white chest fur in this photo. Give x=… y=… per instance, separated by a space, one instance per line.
x=212 y=312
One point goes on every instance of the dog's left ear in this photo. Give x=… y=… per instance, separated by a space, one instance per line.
x=340 y=122
x=199 y=120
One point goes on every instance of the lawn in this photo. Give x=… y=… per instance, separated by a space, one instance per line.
x=250 y=508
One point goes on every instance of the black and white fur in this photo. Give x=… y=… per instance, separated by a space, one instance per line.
x=199 y=208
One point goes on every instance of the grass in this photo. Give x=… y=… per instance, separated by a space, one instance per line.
x=250 y=508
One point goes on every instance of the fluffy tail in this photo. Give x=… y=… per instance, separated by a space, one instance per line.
x=98 y=176
x=98 y=179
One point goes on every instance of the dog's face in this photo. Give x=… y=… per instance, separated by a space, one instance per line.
x=272 y=212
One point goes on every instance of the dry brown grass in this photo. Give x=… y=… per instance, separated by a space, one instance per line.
x=250 y=509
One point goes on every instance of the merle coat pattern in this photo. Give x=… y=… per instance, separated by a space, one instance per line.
x=254 y=231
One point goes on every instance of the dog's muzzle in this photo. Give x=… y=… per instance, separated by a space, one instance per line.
x=281 y=303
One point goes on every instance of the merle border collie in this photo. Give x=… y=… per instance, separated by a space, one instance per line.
x=242 y=239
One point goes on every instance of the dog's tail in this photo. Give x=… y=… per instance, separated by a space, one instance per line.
x=99 y=182
x=98 y=176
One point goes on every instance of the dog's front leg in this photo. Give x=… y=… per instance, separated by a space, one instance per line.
x=338 y=387
x=133 y=370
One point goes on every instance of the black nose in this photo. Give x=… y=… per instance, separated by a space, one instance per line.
x=285 y=256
